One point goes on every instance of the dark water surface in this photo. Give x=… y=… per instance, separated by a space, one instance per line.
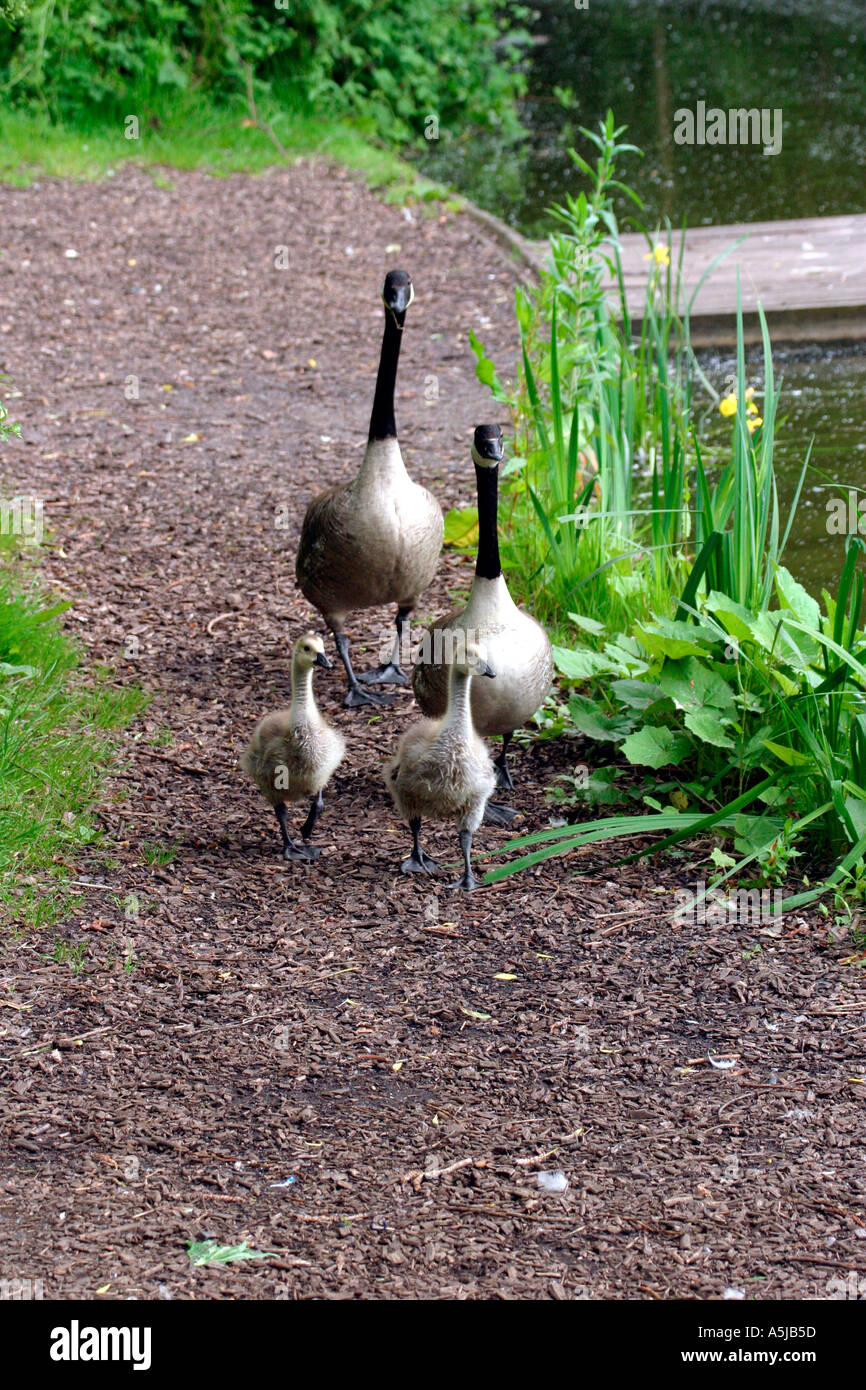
x=649 y=59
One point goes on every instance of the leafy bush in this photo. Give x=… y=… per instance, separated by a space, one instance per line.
x=391 y=63
x=692 y=652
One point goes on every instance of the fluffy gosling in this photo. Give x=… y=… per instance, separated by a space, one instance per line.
x=442 y=770
x=294 y=753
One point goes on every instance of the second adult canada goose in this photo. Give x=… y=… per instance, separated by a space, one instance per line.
x=442 y=769
x=294 y=753
x=516 y=645
x=377 y=539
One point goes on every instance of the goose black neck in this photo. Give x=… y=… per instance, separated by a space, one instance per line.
x=487 y=565
x=382 y=423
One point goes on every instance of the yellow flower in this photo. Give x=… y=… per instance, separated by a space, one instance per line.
x=659 y=254
x=753 y=422
x=728 y=405
x=750 y=391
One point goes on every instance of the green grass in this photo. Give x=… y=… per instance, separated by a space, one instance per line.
x=56 y=725
x=192 y=133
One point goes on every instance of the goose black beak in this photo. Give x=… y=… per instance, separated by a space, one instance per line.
x=488 y=670
x=322 y=660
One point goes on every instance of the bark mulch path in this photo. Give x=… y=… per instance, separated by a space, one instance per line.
x=323 y=1061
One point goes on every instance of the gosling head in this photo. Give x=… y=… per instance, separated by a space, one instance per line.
x=397 y=294
x=487 y=446
x=309 y=651
x=473 y=662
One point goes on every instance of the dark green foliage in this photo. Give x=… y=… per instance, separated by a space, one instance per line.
x=393 y=64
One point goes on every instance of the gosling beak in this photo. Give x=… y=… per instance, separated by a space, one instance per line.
x=322 y=660
x=487 y=669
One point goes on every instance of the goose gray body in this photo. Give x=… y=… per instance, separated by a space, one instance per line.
x=371 y=542
x=517 y=647
x=377 y=539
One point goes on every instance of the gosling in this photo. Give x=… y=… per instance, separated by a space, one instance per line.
x=442 y=769
x=294 y=753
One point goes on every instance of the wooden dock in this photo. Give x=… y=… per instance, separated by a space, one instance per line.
x=809 y=275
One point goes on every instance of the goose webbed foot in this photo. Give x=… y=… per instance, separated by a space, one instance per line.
x=298 y=854
x=389 y=674
x=497 y=814
x=418 y=862
x=356 y=698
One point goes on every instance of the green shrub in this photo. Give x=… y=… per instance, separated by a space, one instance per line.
x=392 y=64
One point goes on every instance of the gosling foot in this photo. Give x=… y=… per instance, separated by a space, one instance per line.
x=497 y=814
x=419 y=863
x=385 y=675
x=468 y=881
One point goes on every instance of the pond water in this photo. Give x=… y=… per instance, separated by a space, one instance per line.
x=649 y=59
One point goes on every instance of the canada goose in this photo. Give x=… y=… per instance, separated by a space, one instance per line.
x=442 y=769
x=516 y=644
x=293 y=753
x=377 y=539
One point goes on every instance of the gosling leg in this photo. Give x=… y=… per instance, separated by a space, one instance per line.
x=468 y=881
x=291 y=851
x=418 y=862
x=356 y=697
x=391 y=673
x=311 y=851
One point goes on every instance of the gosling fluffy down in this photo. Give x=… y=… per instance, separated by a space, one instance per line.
x=443 y=770
x=294 y=752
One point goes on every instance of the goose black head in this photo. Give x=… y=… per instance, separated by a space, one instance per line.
x=397 y=293
x=487 y=446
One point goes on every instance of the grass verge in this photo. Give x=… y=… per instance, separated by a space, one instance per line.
x=192 y=133
x=56 y=749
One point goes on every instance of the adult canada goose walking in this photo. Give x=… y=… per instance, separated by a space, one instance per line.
x=442 y=769
x=294 y=753
x=377 y=539
x=517 y=646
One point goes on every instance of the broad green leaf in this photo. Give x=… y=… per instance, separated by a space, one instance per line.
x=588 y=624
x=637 y=694
x=695 y=686
x=732 y=615
x=655 y=746
x=709 y=726
x=591 y=720
x=795 y=597
x=673 y=640
x=461 y=528
x=580 y=664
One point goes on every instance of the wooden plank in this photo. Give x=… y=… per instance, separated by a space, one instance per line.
x=809 y=275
